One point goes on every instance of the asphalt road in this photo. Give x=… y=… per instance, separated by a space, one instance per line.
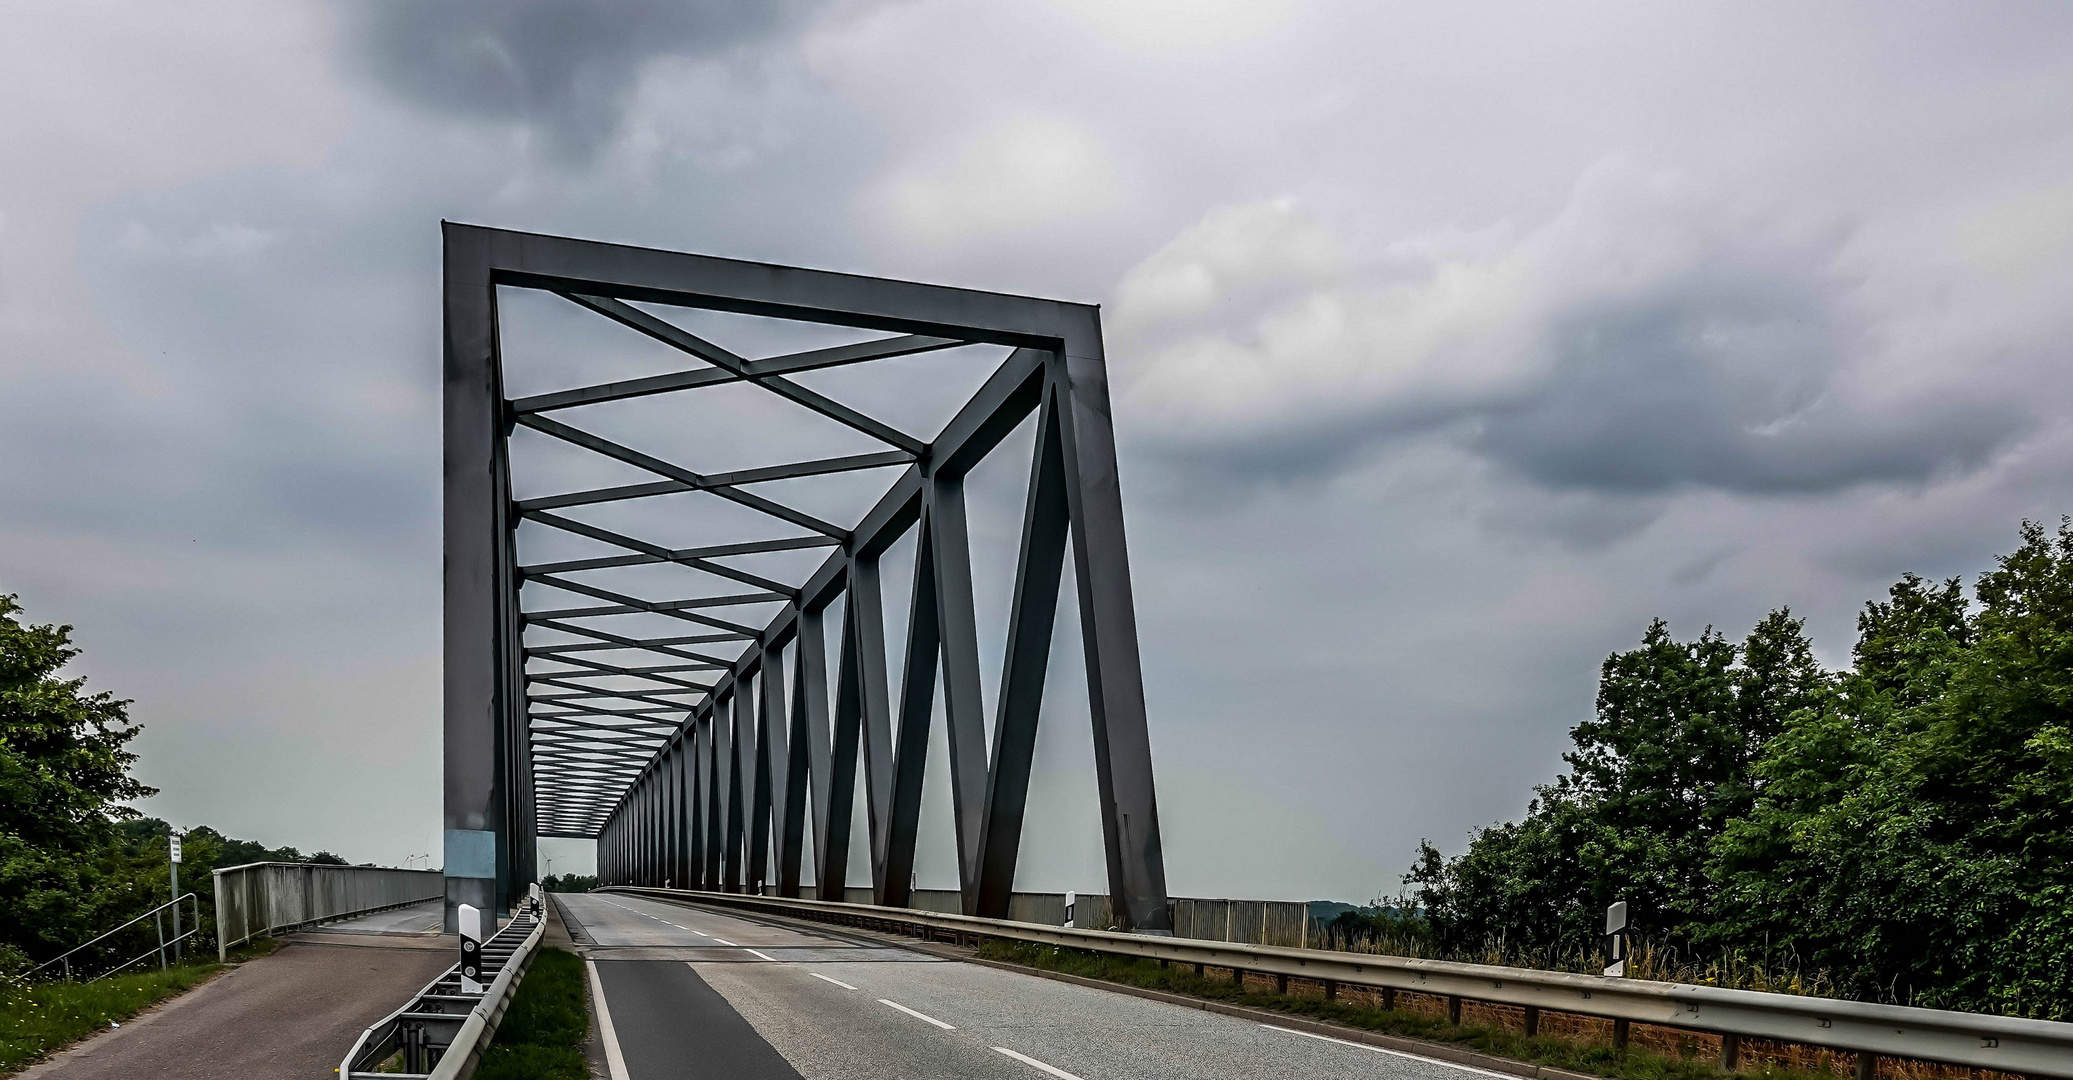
x=686 y=992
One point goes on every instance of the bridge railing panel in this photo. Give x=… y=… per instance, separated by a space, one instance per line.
x=264 y=898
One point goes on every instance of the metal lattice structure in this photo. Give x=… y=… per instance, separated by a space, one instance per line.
x=701 y=758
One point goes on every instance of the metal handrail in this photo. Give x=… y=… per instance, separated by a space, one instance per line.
x=2000 y=1043
x=194 y=908
x=472 y=1031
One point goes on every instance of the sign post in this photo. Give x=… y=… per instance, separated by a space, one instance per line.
x=471 y=948
x=173 y=874
x=1616 y=940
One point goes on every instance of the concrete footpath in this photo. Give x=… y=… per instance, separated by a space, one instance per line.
x=292 y=1014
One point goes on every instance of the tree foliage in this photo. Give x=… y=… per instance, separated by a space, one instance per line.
x=75 y=858
x=1905 y=826
x=64 y=780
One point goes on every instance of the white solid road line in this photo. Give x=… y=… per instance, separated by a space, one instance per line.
x=916 y=1015
x=753 y=952
x=615 y=1062
x=1386 y=1050
x=837 y=982
x=1033 y=1063
x=727 y=943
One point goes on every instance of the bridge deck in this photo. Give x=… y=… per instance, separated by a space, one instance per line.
x=694 y=993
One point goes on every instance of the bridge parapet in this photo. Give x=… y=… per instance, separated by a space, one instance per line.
x=268 y=897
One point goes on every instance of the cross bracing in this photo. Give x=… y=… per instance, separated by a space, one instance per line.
x=706 y=725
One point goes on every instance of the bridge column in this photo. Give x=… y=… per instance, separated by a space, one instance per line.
x=483 y=724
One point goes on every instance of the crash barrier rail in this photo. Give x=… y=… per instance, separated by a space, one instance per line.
x=64 y=962
x=268 y=897
x=2001 y=1043
x=1253 y=922
x=444 y=1017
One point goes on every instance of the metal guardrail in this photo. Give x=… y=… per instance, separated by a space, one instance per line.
x=266 y=897
x=442 y=1017
x=63 y=961
x=2001 y=1043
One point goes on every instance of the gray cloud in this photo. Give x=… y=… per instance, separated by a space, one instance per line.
x=1429 y=408
x=564 y=68
x=1727 y=382
x=1650 y=337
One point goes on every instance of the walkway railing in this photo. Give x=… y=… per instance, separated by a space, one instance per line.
x=268 y=897
x=64 y=963
x=2000 y=1043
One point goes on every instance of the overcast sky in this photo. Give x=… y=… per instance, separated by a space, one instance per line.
x=1451 y=343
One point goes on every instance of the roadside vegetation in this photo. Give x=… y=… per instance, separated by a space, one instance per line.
x=569 y=883
x=1585 y=1052
x=75 y=859
x=40 y=1018
x=542 y=1034
x=1900 y=831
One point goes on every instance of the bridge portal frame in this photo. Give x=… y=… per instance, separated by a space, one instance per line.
x=734 y=777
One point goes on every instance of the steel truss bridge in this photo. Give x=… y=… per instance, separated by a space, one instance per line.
x=704 y=757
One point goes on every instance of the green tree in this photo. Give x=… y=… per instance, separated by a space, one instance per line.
x=1660 y=770
x=64 y=776
x=1915 y=837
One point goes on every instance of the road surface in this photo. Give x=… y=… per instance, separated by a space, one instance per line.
x=687 y=992
x=292 y=1013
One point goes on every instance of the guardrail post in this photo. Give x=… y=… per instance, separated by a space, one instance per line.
x=1619 y=1035
x=470 y=919
x=1867 y=1065
x=1533 y=1021
x=1454 y=1009
x=1730 y=1051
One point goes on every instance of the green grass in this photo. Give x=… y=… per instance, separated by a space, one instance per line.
x=1632 y=1063
x=541 y=1036
x=38 y=1018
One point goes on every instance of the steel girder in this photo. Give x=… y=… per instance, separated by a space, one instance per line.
x=717 y=780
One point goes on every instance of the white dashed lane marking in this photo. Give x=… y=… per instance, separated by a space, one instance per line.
x=918 y=1016
x=1037 y=1065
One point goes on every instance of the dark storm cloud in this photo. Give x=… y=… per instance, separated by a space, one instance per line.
x=1628 y=350
x=562 y=67
x=1725 y=382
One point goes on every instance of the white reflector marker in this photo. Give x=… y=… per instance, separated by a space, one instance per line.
x=470 y=919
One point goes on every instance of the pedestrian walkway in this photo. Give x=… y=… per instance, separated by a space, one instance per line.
x=290 y=1014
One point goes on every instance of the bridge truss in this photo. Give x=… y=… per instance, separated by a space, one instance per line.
x=705 y=757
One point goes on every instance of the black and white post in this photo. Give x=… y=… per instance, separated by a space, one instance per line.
x=470 y=919
x=1616 y=940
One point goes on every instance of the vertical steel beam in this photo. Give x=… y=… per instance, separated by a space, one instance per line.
x=895 y=876
x=718 y=753
x=807 y=764
x=775 y=751
x=478 y=593
x=963 y=707
x=761 y=795
x=1033 y=612
x=872 y=732
x=1108 y=629
x=834 y=792
x=701 y=785
x=731 y=713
